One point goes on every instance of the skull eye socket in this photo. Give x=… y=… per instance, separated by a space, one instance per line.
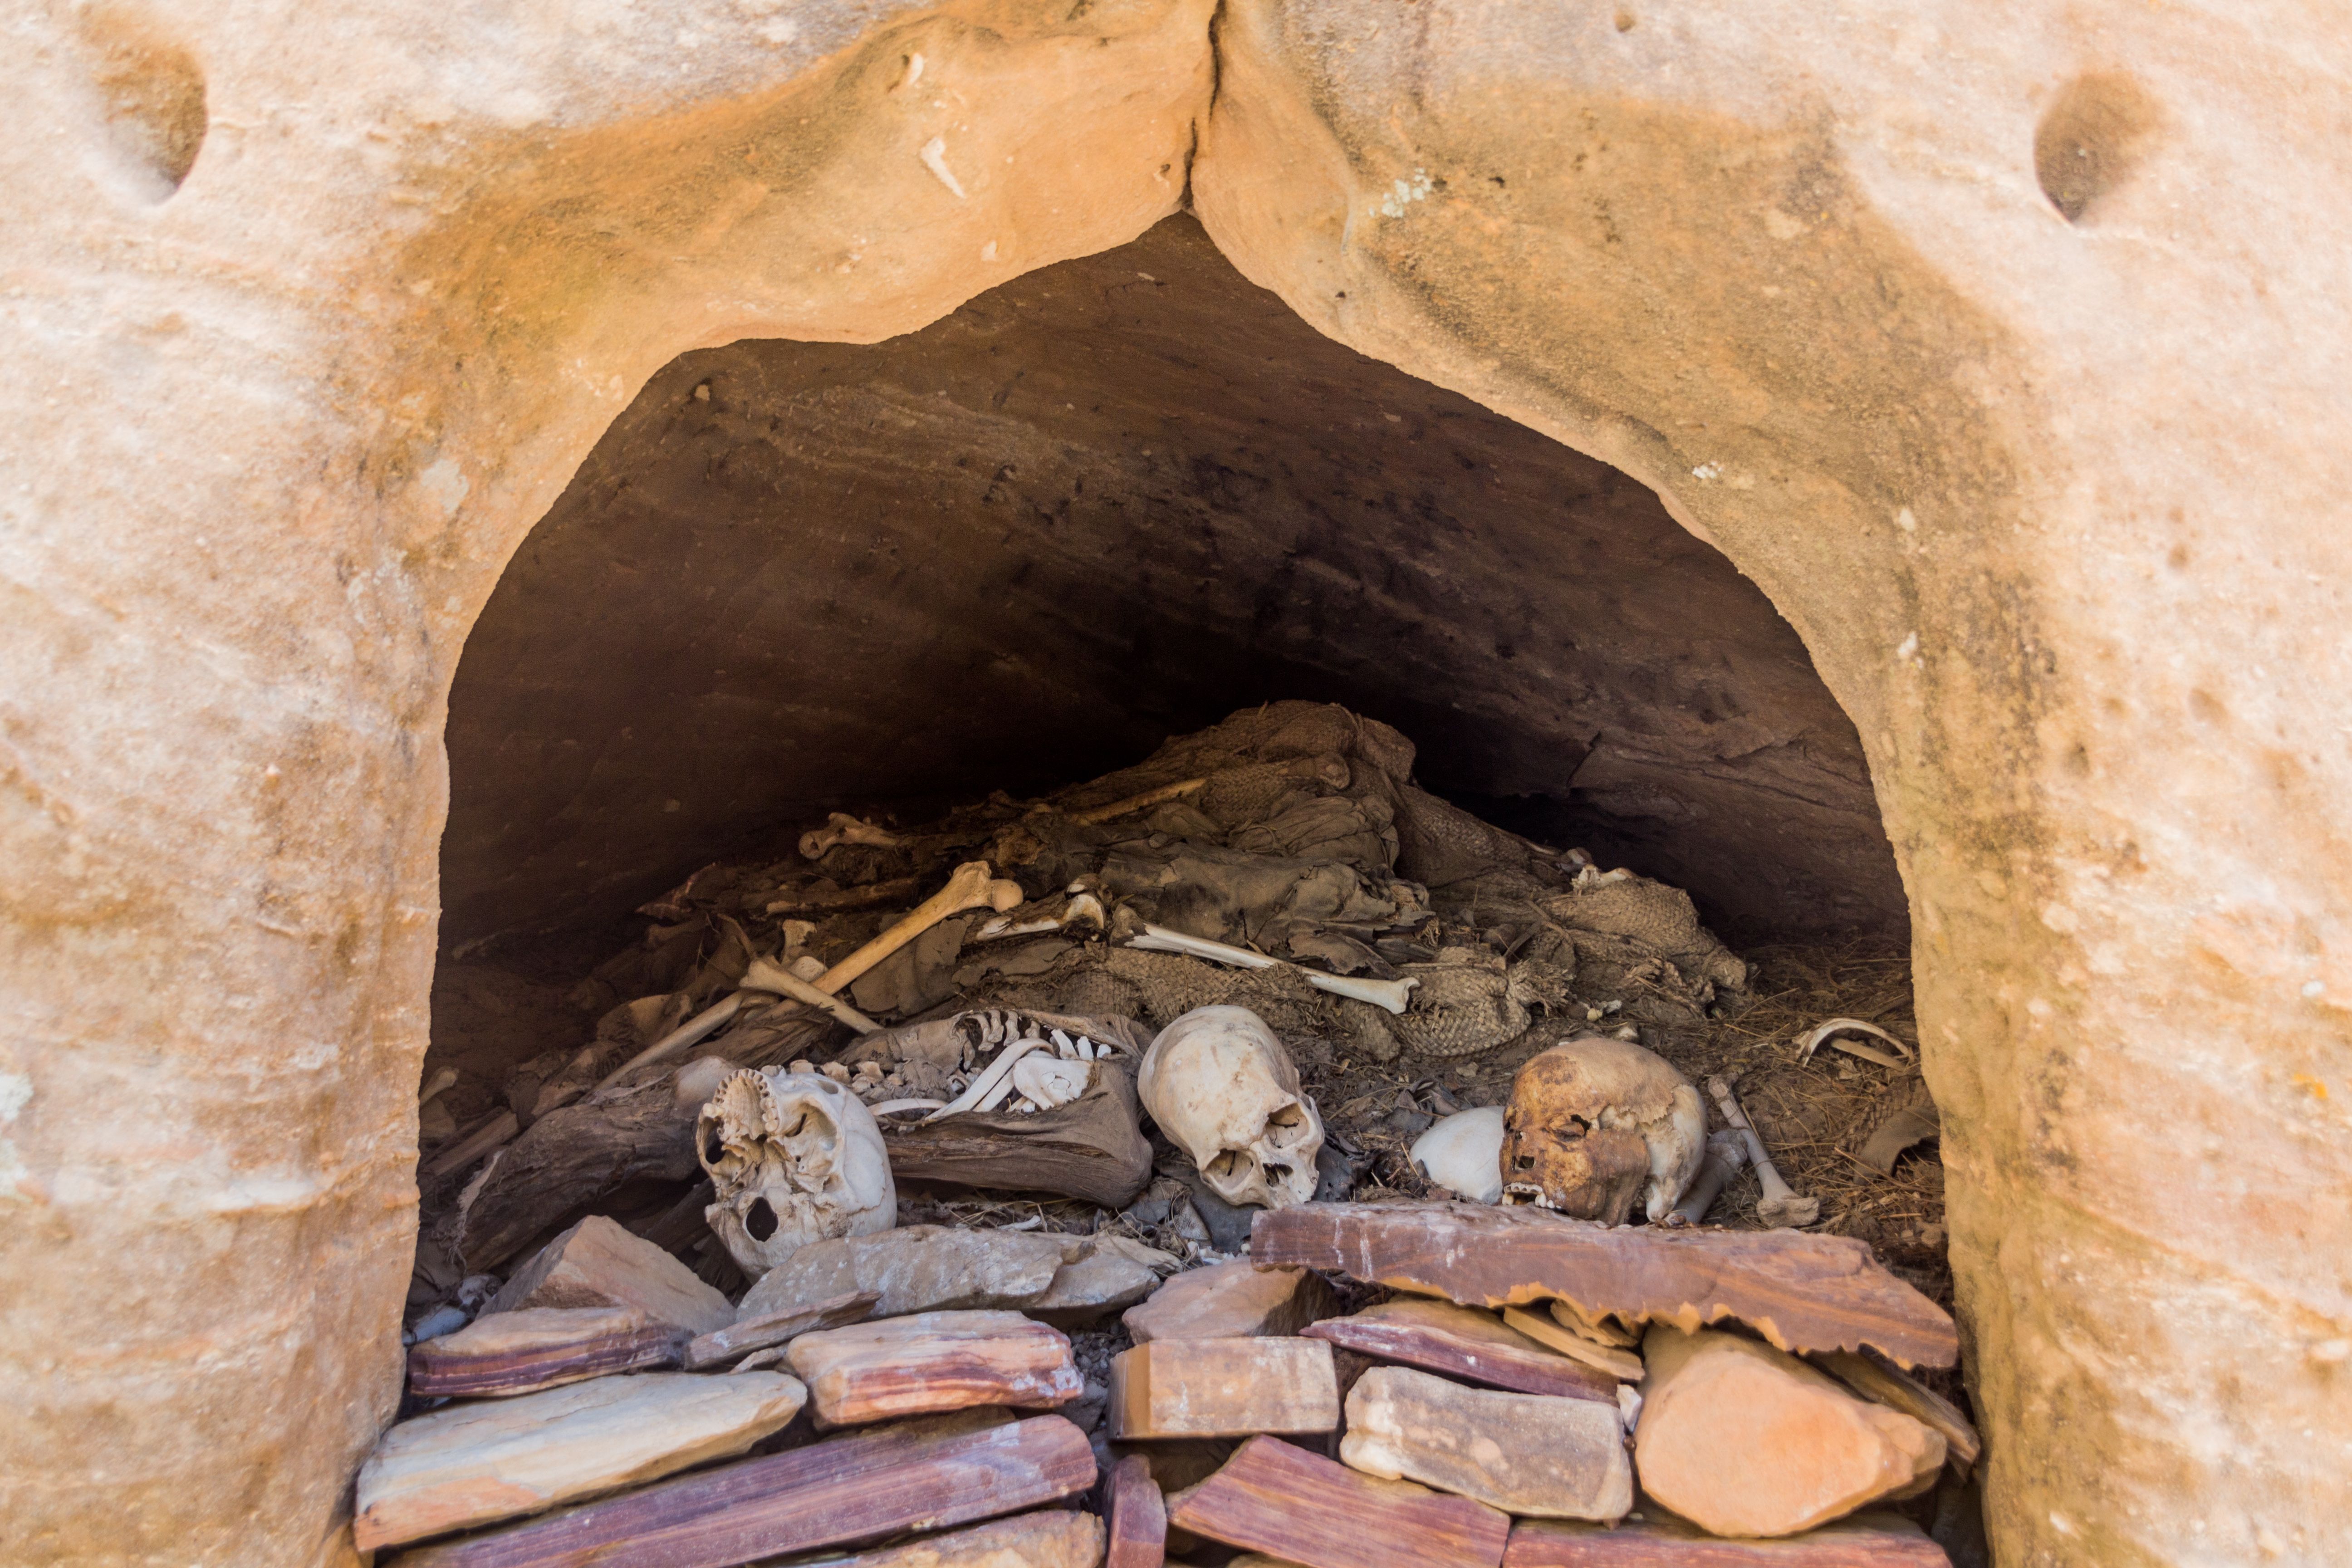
x=1228 y=1162
x=1289 y=1116
x=760 y=1221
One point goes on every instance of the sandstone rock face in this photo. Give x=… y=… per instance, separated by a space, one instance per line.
x=2042 y=464
x=1536 y=1456
x=598 y=1264
x=1742 y=1439
x=1223 y=1388
x=471 y=1464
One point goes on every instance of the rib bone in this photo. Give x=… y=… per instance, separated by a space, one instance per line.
x=1780 y=1204
x=1813 y=1039
x=1392 y=995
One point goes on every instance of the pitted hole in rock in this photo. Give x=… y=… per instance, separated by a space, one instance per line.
x=2091 y=138
x=153 y=96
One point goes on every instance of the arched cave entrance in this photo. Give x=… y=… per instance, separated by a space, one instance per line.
x=1108 y=502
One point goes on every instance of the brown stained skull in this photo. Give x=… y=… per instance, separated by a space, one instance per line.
x=1591 y=1123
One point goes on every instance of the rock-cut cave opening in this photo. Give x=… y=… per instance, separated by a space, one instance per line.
x=1113 y=501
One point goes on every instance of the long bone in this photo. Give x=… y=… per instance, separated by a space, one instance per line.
x=1083 y=908
x=1391 y=995
x=694 y=1030
x=1781 y=1205
x=765 y=977
x=1726 y=1152
x=841 y=827
x=972 y=886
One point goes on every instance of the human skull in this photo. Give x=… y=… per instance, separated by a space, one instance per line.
x=1591 y=1122
x=1463 y=1153
x=1224 y=1090
x=794 y=1158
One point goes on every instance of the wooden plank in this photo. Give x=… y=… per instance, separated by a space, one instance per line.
x=507 y=1353
x=1223 y=1388
x=1277 y=1498
x=1893 y=1389
x=1801 y=1292
x=856 y=1489
x=756 y=1333
x=1880 y=1541
x=1463 y=1342
x=933 y=1361
x=1139 y=1516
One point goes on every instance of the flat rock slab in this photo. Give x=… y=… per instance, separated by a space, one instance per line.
x=1138 y=1516
x=1051 y=1538
x=1528 y=1454
x=1231 y=1301
x=918 y=1268
x=745 y=1335
x=598 y=1264
x=1745 y=1440
x=1872 y=1540
x=1464 y=1343
x=1091 y=1288
x=1223 y=1388
x=502 y=1355
x=1277 y=1498
x=1801 y=1292
x=470 y=1465
x=861 y=1487
x=934 y=1361
x=1547 y=1330
x=1866 y=1376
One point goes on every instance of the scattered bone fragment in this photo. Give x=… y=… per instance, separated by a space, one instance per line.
x=1223 y=1388
x=745 y=1335
x=598 y=1264
x=1275 y=1498
x=502 y=1354
x=1622 y=1365
x=1142 y=801
x=864 y=1485
x=1865 y=1541
x=1232 y=1301
x=1224 y=1090
x=1727 y=1157
x=916 y=1269
x=1780 y=1205
x=1874 y=1379
x=1464 y=1155
x=930 y=1362
x=1049 y=1538
x=840 y=827
x=1743 y=1439
x=1595 y=1122
x=1827 y=1033
x=1526 y=1454
x=1137 y=1516
x=471 y=1464
x=1468 y=1344
x=793 y=1158
x=1801 y=1291
x=1394 y=995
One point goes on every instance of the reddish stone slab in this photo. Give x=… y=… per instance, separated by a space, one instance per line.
x=1803 y=1293
x=477 y=1363
x=933 y=1361
x=1463 y=1342
x=859 y=1487
x=1275 y=1498
x=758 y=1332
x=1869 y=1542
x=1139 y=1516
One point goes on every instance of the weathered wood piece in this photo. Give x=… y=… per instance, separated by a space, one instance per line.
x=1867 y=1377
x=598 y=1264
x=1742 y=1439
x=1866 y=1541
x=1277 y=1498
x=1465 y=1342
x=933 y=1361
x=469 y=1465
x=860 y=1488
x=745 y=1335
x=502 y=1355
x=1622 y=1365
x=1139 y=1516
x=1802 y=1293
x=1231 y=1301
x=1091 y=1147
x=1223 y=1388
x=1050 y=1538
x=573 y=1154
x=916 y=1269
x=1528 y=1454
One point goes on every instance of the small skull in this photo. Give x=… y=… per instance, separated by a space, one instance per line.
x=1591 y=1122
x=1221 y=1086
x=794 y=1158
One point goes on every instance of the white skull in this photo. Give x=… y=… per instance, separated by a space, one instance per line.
x=796 y=1158
x=1223 y=1090
x=1464 y=1155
